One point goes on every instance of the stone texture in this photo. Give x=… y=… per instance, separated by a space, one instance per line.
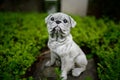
x=40 y=72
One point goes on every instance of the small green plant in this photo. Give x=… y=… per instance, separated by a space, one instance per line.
x=88 y=78
x=58 y=73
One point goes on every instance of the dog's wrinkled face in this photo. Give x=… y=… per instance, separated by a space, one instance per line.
x=59 y=24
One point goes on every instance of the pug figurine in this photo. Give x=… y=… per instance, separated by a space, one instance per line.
x=62 y=46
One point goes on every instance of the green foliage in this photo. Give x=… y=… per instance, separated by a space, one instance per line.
x=102 y=37
x=88 y=29
x=23 y=35
x=108 y=54
x=88 y=32
x=21 y=38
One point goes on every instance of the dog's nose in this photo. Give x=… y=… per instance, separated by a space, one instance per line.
x=58 y=22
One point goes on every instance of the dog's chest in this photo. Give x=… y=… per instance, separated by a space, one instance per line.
x=59 y=48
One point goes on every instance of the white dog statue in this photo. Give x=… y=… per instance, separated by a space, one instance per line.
x=63 y=47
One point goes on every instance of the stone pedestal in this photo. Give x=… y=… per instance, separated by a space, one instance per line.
x=40 y=72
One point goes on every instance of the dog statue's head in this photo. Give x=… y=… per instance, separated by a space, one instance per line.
x=59 y=24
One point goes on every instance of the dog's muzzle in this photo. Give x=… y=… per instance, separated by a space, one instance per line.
x=56 y=29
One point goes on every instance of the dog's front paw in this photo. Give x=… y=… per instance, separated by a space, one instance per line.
x=48 y=63
x=76 y=72
x=63 y=76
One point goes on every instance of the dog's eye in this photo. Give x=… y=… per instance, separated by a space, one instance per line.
x=52 y=19
x=65 y=21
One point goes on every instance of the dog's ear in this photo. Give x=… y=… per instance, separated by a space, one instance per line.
x=72 y=22
x=46 y=19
